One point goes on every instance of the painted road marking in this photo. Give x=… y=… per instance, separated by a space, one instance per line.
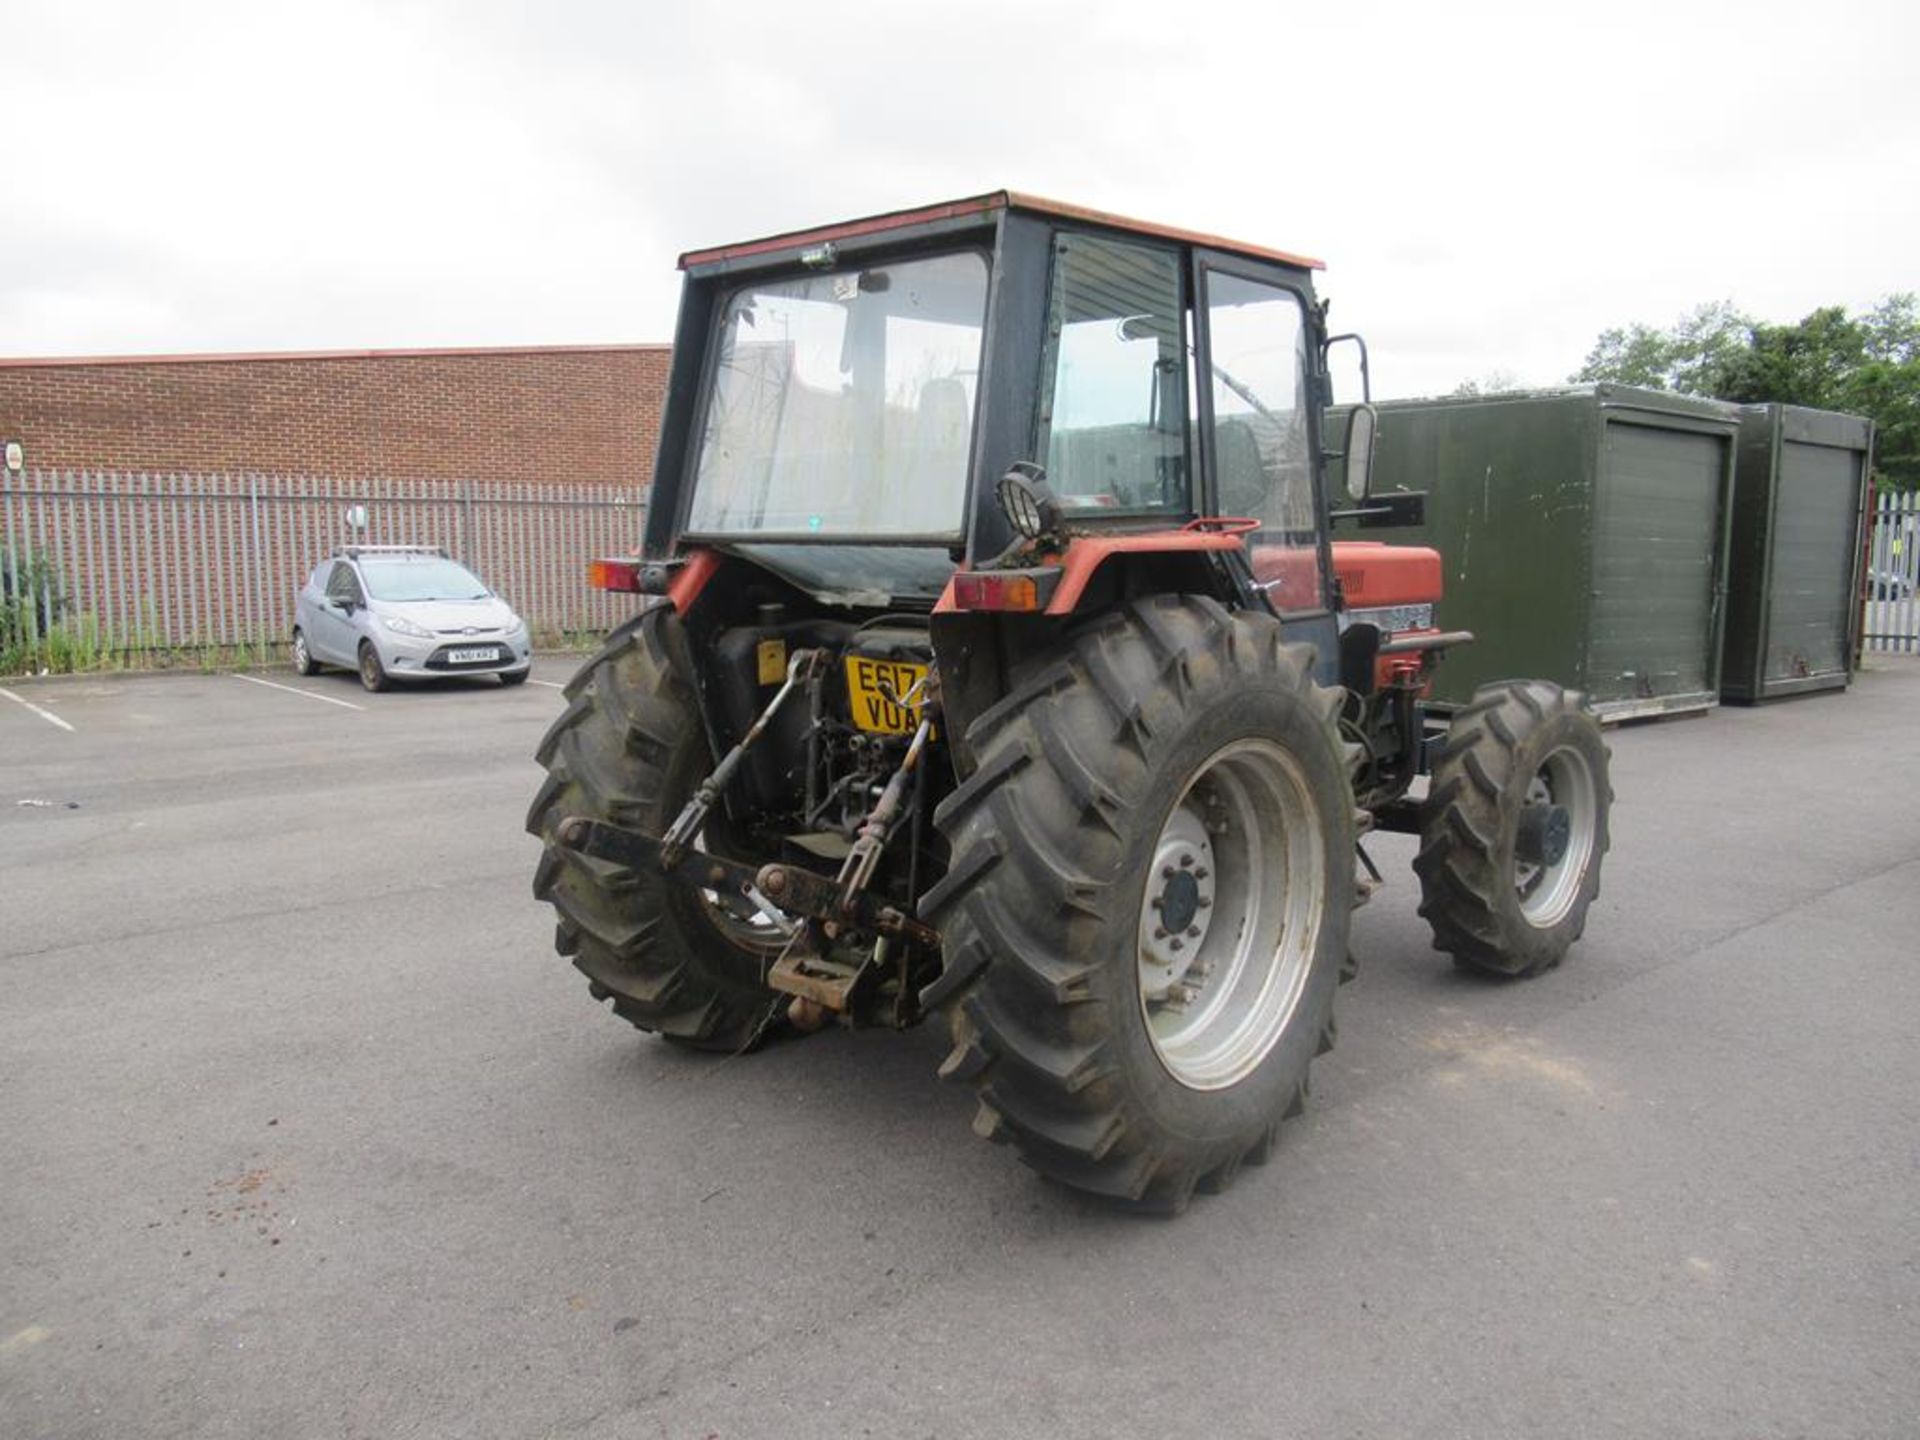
x=46 y=715
x=295 y=690
x=551 y=685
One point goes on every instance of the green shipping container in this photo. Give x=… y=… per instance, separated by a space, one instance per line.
x=1799 y=502
x=1582 y=533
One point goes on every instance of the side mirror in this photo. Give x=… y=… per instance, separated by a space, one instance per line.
x=1362 y=422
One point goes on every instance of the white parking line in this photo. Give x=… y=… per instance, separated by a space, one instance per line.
x=295 y=690
x=46 y=715
x=550 y=684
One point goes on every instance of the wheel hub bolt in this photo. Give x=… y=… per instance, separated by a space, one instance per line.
x=1202 y=873
x=1193 y=932
x=1159 y=932
x=1186 y=863
x=1204 y=901
x=1178 y=944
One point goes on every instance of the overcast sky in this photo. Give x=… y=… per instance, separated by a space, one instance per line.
x=1490 y=185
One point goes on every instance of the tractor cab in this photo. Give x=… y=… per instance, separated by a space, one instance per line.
x=847 y=403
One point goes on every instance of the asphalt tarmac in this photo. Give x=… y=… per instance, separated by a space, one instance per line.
x=305 y=1131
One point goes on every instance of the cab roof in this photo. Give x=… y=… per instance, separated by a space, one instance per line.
x=980 y=206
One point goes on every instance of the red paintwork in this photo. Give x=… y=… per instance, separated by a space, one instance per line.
x=1018 y=201
x=1087 y=553
x=981 y=205
x=1373 y=573
x=692 y=578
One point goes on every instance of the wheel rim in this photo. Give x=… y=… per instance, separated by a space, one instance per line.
x=299 y=651
x=369 y=666
x=1548 y=892
x=1232 y=914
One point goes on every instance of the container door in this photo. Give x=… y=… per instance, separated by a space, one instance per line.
x=1814 y=526
x=1658 y=527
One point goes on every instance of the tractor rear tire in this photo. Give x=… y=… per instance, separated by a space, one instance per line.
x=630 y=750
x=1518 y=743
x=1169 y=752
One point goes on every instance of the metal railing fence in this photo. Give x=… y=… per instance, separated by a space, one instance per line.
x=1893 y=575
x=103 y=568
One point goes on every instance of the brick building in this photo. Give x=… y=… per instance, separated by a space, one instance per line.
x=564 y=414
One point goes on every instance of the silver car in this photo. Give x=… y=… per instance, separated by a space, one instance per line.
x=405 y=612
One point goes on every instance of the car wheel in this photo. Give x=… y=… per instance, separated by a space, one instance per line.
x=373 y=674
x=303 y=663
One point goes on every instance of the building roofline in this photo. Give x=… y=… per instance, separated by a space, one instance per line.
x=236 y=356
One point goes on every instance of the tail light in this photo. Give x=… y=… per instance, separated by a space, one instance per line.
x=622 y=576
x=1014 y=590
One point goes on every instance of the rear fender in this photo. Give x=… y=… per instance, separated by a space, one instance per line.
x=983 y=655
x=1091 y=569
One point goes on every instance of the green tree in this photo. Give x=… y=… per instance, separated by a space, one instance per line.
x=1682 y=358
x=1863 y=365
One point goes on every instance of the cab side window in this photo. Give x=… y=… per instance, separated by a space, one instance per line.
x=1113 y=418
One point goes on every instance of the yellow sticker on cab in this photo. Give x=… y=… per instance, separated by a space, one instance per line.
x=874 y=690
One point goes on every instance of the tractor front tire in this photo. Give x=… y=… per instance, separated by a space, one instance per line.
x=1147 y=910
x=1520 y=749
x=629 y=749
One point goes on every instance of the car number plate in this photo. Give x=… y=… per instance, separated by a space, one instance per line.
x=874 y=688
x=474 y=656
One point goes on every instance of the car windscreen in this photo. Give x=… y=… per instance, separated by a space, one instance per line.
x=424 y=578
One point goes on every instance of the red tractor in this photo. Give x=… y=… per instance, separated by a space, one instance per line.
x=1002 y=666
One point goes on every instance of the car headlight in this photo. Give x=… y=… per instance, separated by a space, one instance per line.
x=404 y=626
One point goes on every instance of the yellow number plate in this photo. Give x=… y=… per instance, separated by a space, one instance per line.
x=872 y=689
